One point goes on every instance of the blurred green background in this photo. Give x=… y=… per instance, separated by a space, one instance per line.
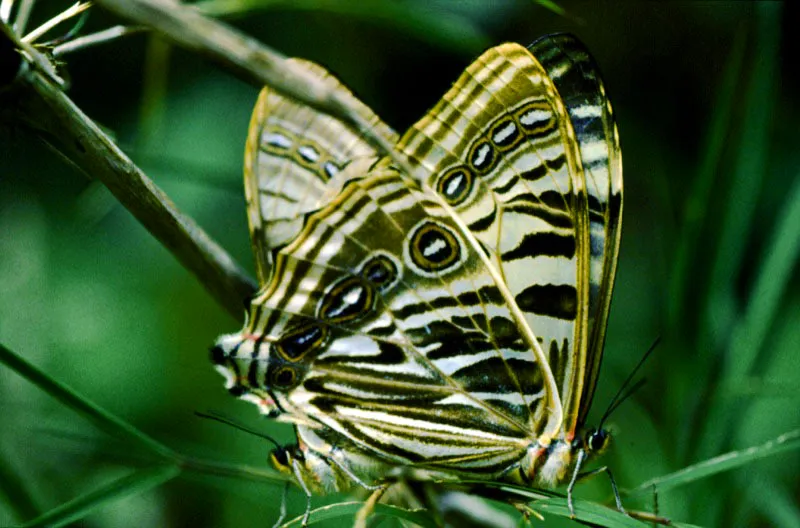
x=707 y=96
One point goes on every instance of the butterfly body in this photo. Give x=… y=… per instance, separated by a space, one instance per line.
x=449 y=322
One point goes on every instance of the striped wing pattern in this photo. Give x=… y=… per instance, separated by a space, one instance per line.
x=395 y=335
x=576 y=77
x=292 y=152
x=382 y=322
x=519 y=162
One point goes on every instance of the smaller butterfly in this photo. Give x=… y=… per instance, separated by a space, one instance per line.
x=449 y=327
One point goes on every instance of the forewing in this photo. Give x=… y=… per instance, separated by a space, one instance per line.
x=292 y=152
x=500 y=149
x=578 y=81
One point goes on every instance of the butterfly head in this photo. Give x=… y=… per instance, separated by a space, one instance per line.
x=595 y=441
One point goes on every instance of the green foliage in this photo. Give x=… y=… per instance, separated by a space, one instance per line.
x=707 y=106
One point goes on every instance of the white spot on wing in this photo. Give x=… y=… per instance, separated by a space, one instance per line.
x=481 y=154
x=355 y=346
x=452 y=187
x=433 y=248
x=585 y=111
x=531 y=117
x=505 y=132
x=308 y=153
x=330 y=169
x=274 y=139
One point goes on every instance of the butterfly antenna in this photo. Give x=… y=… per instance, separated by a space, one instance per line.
x=626 y=390
x=619 y=401
x=235 y=425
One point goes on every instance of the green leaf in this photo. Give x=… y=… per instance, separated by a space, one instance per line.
x=349 y=509
x=552 y=6
x=587 y=512
x=82 y=405
x=779 y=261
x=719 y=464
x=700 y=193
x=452 y=31
x=82 y=506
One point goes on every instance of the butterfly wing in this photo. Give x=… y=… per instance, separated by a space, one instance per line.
x=577 y=78
x=396 y=335
x=501 y=150
x=292 y=152
x=386 y=315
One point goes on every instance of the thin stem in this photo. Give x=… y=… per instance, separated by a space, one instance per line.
x=38 y=103
x=23 y=15
x=5 y=10
x=73 y=11
x=101 y=37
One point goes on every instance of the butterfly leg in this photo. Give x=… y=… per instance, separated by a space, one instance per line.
x=573 y=480
x=298 y=474
x=582 y=476
x=284 y=497
x=577 y=475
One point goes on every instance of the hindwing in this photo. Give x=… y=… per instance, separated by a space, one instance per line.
x=420 y=360
x=292 y=152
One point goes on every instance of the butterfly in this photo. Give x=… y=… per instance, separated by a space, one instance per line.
x=449 y=322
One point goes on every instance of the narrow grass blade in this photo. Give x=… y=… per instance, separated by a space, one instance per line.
x=587 y=512
x=700 y=193
x=553 y=502
x=552 y=6
x=78 y=508
x=452 y=32
x=780 y=259
x=733 y=460
x=349 y=509
x=775 y=503
x=750 y=168
x=15 y=491
x=82 y=405
x=222 y=469
x=749 y=171
x=155 y=82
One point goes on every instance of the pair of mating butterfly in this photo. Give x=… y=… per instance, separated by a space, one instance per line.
x=448 y=323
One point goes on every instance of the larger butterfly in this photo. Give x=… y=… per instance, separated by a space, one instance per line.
x=450 y=323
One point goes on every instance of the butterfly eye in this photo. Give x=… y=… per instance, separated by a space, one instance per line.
x=284 y=377
x=597 y=440
x=279 y=458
